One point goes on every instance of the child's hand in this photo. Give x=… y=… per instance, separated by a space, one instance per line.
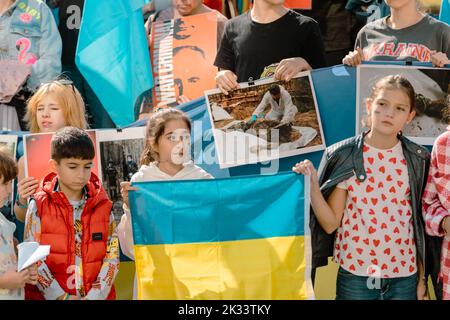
x=124 y=188
x=14 y=280
x=288 y=68
x=26 y=188
x=354 y=58
x=226 y=81
x=33 y=269
x=306 y=168
x=445 y=224
x=422 y=292
x=439 y=59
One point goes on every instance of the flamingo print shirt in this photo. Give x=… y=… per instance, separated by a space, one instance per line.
x=29 y=34
x=376 y=236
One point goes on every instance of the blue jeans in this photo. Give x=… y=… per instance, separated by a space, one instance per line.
x=353 y=287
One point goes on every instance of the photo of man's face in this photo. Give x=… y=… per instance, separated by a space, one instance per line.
x=191 y=77
x=193 y=48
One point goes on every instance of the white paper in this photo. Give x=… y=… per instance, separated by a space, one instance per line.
x=219 y=113
x=30 y=253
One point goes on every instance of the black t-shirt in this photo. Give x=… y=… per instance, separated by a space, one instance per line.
x=247 y=47
x=69 y=15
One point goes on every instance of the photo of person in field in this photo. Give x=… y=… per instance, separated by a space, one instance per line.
x=280 y=117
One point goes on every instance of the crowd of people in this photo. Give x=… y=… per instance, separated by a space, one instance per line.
x=380 y=204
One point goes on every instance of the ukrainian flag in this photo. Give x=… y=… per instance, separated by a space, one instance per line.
x=234 y=238
x=112 y=55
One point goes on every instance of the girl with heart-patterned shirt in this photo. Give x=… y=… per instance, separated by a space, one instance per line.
x=375 y=243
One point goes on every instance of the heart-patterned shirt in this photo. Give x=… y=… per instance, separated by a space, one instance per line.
x=376 y=236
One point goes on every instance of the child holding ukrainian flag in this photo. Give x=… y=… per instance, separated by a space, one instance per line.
x=370 y=192
x=165 y=157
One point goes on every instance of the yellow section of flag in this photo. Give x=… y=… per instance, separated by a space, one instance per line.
x=260 y=269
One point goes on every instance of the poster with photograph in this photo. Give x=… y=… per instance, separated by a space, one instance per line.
x=182 y=54
x=431 y=86
x=37 y=154
x=8 y=144
x=119 y=156
x=298 y=4
x=266 y=120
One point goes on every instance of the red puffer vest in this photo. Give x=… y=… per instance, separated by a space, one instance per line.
x=58 y=231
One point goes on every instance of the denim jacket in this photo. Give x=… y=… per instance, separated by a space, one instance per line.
x=345 y=159
x=28 y=33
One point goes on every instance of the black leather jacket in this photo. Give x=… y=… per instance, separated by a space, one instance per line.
x=345 y=159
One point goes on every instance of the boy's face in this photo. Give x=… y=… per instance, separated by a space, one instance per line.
x=73 y=173
x=5 y=191
x=186 y=7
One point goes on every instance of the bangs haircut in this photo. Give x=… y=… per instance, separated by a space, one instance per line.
x=8 y=167
x=71 y=142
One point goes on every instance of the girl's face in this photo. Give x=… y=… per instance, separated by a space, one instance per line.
x=174 y=144
x=389 y=111
x=5 y=191
x=49 y=115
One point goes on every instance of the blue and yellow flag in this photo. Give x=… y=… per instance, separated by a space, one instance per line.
x=234 y=238
x=112 y=54
x=444 y=14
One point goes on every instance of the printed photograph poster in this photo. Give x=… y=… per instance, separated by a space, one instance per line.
x=37 y=154
x=431 y=86
x=119 y=156
x=298 y=4
x=8 y=144
x=266 y=120
x=182 y=54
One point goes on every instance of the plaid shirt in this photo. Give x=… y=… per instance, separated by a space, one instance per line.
x=436 y=203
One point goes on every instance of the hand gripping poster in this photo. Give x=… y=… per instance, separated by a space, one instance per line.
x=37 y=154
x=182 y=52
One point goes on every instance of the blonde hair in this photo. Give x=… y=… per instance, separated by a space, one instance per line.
x=155 y=129
x=67 y=97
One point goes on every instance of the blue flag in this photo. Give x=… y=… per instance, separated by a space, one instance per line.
x=248 y=239
x=444 y=14
x=113 y=55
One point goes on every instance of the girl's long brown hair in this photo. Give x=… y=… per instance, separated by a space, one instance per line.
x=155 y=128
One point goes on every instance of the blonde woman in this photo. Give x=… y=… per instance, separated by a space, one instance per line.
x=54 y=105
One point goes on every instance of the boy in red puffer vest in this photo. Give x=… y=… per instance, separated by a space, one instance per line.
x=72 y=214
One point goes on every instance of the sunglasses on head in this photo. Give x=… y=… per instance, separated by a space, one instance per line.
x=62 y=81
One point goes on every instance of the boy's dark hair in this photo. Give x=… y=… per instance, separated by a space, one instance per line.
x=8 y=167
x=71 y=142
x=274 y=90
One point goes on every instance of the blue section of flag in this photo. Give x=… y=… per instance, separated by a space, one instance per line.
x=113 y=56
x=238 y=208
x=444 y=14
